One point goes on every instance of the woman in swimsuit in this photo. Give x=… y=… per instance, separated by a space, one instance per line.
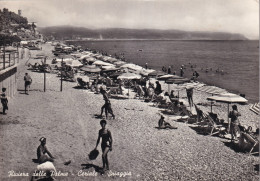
x=42 y=150
x=106 y=144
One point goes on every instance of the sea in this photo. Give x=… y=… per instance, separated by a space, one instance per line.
x=232 y=65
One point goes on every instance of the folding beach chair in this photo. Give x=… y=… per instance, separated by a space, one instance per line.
x=215 y=128
x=249 y=142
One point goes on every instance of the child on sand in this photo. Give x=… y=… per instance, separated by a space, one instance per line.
x=4 y=100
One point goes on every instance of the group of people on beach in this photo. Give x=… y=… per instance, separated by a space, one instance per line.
x=144 y=88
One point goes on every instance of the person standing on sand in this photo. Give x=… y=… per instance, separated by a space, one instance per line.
x=169 y=70
x=42 y=150
x=233 y=115
x=27 y=82
x=106 y=144
x=181 y=72
x=4 y=100
x=189 y=92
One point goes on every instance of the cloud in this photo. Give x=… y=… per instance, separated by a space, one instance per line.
x=236 y=16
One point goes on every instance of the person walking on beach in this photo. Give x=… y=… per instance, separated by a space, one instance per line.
x=42 y=150
x=189 y=92
x=4 y=100
x=106 y=144
x=233 y=115
x=27 y=83
x=107 y=105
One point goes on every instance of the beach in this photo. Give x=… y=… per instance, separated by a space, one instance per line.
x=140 y=150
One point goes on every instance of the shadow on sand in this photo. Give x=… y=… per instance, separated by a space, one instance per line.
x=88 y=166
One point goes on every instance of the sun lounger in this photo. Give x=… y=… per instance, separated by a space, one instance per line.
x=215 y=128
x=249 y=142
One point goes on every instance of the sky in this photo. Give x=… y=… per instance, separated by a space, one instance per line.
x=234 y=16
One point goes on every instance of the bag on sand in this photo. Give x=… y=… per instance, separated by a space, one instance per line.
x=93 y=154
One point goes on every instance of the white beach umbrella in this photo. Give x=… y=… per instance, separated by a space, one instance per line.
x=132 y=66
x=129 y=76
x=101 y=63
x=228 y=98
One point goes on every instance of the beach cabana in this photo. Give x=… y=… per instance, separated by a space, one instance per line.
x=228 y=98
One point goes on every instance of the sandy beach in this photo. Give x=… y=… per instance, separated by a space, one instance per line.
x=140 y=150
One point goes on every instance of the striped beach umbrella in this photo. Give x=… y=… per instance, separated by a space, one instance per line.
x=255 y=108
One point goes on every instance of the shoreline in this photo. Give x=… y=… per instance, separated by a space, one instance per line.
x=67 y=120
x=207 y=82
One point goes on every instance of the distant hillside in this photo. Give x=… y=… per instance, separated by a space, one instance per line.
x=70 y=32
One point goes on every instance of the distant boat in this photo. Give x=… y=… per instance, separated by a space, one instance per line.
x=140 y=50
x=100 y=37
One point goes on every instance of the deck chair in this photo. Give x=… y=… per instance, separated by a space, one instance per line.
x=215 y=128
x=200 y=116
x=249 y=142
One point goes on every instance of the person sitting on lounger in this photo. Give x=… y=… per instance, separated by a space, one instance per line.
x=42 y=150
x=163 y=124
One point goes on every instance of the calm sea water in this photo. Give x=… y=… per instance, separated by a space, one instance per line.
x=239 y=60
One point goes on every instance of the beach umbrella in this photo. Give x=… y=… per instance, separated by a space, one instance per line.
x=119 y=63
x=129 y=76
x=84 y=56
x=168 y=76
x=255 y=108
x=212 y=90
x=156 y=73
x=176 y=81
x=90 y=69
x=146 y=72
x=101 y=63
x=75 y=63
x=91 y=59
x=132 y=66
x=228 y=98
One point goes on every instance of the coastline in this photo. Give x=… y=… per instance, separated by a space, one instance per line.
x=68 y=121
x=204 y=78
